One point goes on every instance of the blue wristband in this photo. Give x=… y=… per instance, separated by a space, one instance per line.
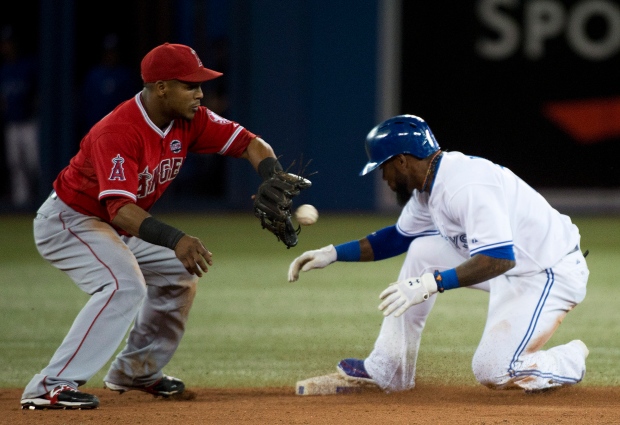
x=447 y=279
x=350 y=251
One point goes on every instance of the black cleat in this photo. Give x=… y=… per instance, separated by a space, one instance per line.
x=61 y=397
x=165 y=387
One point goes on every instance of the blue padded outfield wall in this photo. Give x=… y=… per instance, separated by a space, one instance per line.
x=304 y=78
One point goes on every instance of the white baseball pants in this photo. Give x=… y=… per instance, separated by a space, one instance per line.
x=524 y=312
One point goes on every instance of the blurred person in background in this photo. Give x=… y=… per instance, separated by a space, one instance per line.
x=18 y=98
x=105 y=85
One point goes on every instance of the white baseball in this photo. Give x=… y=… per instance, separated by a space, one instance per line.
x=306 y=215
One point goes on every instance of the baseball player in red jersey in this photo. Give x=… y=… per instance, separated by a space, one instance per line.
x=95 y=227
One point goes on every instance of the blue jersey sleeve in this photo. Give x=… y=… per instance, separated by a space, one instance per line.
x=503 y=252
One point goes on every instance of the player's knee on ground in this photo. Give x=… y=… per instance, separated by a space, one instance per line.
x=490 y=371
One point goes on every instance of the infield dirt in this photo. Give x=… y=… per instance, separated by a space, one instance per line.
x=426 y=404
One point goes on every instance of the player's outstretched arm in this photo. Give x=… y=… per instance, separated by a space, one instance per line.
x=359 y=250
x=256 y=152
x=315 y=259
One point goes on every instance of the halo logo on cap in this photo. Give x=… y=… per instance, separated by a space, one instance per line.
x=196 y=56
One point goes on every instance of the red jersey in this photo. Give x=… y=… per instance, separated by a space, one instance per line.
x=126 y=155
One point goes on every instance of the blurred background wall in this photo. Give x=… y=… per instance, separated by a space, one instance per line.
x=530 y=84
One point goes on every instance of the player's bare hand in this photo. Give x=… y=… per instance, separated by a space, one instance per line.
x=316 y=259
x=193 y=254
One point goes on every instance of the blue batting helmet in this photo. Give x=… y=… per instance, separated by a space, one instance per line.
x=400 y=134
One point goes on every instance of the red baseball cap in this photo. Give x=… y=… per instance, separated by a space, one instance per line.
x=175 y=62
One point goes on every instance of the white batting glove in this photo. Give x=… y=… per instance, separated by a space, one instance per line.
x=316 y=259
x=401 y=295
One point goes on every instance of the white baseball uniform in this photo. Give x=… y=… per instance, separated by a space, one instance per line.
x=474 y=206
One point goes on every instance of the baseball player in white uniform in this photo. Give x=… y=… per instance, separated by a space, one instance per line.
x=466 y=222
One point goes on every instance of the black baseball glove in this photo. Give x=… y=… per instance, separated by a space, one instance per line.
x=274 y=200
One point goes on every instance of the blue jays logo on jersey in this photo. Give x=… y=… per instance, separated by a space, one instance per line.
x=459 y=241
x=118 y=172
x=175 y=146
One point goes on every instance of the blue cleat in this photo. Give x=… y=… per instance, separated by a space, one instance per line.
x=354 y=370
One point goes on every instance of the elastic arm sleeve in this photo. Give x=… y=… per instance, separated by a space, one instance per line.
x=349 y=251
x=388 y=242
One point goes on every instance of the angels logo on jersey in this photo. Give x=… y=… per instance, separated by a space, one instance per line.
x=165 y=171
x=175 y=146
x=118 y=172
x=216 y=118
x=145 y=183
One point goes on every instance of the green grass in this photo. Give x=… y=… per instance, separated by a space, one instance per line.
x=250 y=327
